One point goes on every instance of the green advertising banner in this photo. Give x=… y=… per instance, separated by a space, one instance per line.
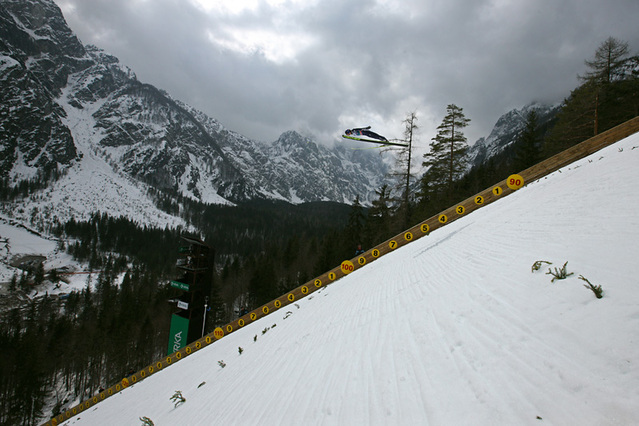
x=181 y=286
x=178 y=333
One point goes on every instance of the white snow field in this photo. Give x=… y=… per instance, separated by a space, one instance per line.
x=452 y=329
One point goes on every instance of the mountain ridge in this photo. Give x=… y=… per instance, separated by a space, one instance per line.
x=141 y=130
x=507 y=129
x=62 y=100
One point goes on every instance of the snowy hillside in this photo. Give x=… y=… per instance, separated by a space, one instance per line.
x=18 y=243
x=90 y=185
x=453 y=329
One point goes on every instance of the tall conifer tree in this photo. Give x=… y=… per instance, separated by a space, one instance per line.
x=608 y=63
x=528 y=146
x=355 y=226
x=404 y=163
x=379 y=216
x=607 y=96
x=447 y=157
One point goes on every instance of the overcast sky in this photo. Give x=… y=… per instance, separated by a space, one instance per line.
x=262 y=67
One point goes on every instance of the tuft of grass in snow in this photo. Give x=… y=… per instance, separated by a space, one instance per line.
x=178 y=398
x=596 y=289
x=146 y=421
x=559 y=274
x=537 y=265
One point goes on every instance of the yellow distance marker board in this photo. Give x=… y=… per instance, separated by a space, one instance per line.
x=347 y=267
x=515 y=182
x=218 y=333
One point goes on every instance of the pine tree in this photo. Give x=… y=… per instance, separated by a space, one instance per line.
x=217 y=312
x=608 y=63
x=447 y=160
x=609 y=59
x=24 y=282
x=326 y=253
x=13 y=285
x=404 y=163
x=379 y=216
x=38 y=277
x=528 y=150
x=608 y=95
x=355 y=226
x=263 y=282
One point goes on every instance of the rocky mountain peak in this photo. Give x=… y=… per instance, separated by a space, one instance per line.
x=507 y=129
x=60 y=98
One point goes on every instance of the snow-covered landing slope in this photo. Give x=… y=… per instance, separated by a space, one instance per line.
x=452 y=329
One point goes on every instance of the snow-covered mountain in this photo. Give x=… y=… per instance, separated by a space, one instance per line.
x=508 y=127
x=65 y=108
x=61 y=100
x=455 y=328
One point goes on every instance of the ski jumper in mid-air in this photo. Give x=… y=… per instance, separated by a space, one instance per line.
x=364 y=131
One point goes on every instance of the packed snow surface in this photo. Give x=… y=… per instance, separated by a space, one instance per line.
x=452 y=329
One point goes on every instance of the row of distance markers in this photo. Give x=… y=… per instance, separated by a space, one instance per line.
x=513 y=182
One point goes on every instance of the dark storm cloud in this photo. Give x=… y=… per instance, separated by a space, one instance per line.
x=321 y=66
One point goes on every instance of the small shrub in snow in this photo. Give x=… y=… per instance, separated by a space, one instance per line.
x=177 y=398
x=146 y=421
x=595 y=288
x=240 y=350
x=537 y=265
x=559 y=274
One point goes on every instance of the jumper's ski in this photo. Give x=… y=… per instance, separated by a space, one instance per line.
x=381 y=142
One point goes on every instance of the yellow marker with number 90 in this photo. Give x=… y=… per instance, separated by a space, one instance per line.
x=515 y=182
